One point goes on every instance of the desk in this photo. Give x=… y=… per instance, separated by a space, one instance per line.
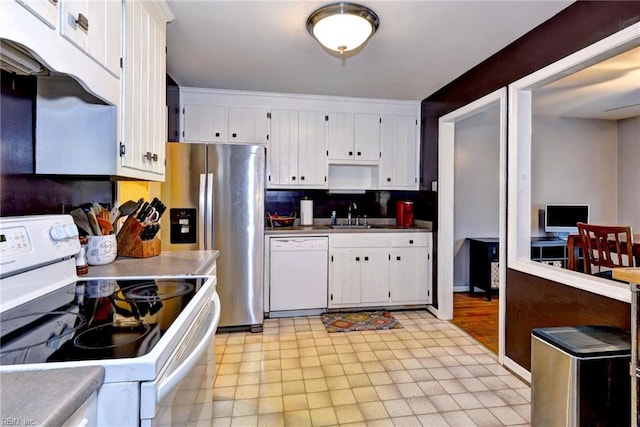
x=574 y=248
x=484 y=259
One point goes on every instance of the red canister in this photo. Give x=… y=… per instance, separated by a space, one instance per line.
x=404 y=213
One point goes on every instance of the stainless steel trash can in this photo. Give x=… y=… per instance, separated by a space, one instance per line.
x=580 y=376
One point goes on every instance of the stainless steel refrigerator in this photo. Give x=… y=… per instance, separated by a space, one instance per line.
x=214 y=195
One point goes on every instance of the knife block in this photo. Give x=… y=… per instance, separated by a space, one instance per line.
x=129 y=243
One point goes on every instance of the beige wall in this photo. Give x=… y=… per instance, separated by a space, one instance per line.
x=629 y=172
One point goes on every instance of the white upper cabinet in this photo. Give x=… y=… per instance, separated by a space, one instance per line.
x=94 y=26
x=320 y=142
x=248 y=125
x=49 y=30
x=354 y=137
x=399 y=153
x=312 y=163
x=204 y=123
x=296 y=152
x=144 y=110
x=45 y=10
x=282 y=152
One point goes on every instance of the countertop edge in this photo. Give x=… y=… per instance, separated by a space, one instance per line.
x=60 y=392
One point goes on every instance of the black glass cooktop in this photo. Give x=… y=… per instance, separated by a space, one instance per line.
x=94 y=319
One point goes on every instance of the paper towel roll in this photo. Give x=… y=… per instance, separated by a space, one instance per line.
x=306 y=212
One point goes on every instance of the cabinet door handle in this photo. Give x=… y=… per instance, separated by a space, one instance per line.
x=388 y=179
x=357 y=258
x=366 y=258
x=411 y=242
x=148 y=156
x=351 y=153
x=359 y=153
x=293 y=178
x=155 y=157
x=54 y=2
x=217 y=134
x=83 y=22
x=398 y=258
x=234 y=135
x=302 y=178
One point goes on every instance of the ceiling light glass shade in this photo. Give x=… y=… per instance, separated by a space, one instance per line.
x=342 y=26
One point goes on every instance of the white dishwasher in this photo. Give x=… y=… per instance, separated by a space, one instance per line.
x=298 y=273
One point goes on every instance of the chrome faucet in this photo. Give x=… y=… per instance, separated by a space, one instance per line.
x=352 y=206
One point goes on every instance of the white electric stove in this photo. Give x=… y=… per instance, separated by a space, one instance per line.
x=153 y=335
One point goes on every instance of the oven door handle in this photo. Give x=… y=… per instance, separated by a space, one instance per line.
x=169 y=383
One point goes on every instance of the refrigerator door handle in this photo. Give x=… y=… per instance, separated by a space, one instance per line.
x=209 y=215
x=202 y=202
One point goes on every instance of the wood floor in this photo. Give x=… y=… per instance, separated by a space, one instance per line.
x=478 y=317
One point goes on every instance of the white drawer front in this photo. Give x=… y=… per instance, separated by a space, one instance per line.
x=400 y=240
x=359 y=241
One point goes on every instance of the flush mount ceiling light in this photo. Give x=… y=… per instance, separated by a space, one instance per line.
x=342 y=26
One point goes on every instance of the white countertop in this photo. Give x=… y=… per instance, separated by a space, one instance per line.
x=168 y=263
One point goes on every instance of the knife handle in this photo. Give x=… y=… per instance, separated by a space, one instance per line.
x=143 y=211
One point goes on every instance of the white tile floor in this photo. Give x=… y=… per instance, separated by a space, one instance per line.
x=429 y=373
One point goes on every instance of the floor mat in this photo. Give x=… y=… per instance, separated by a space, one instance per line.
x=359 y=321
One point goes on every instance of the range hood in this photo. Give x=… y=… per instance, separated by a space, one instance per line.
x=75 y=131
x=17 y=59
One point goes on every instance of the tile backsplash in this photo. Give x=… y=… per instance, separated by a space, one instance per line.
x=374 y=204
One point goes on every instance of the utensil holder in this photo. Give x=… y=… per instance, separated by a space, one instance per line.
x=129 y=243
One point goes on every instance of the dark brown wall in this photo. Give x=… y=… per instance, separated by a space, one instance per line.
x=578 y=26
x=21 y=191
x=533 y=302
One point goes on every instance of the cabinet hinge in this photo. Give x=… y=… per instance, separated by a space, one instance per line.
x=123 y=150
x=120 y=62
x=326 y=118
x=269 y=115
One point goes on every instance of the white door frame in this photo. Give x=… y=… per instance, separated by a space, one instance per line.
x=446 y=222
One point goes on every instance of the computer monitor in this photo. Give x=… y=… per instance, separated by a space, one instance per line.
x=562 y=218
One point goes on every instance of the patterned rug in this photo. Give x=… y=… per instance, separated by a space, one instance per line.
x=359 y=321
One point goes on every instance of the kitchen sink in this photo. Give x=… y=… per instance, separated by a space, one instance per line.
x=353 y=226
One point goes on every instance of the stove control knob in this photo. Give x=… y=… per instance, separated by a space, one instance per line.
x=72 y=230
x=58 y=233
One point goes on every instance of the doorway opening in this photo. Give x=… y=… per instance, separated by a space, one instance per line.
x=472 y=204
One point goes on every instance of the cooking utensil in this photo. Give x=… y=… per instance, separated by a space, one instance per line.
x=127 y=208
x=105 y=226
x=82 y=221
x=93 y=222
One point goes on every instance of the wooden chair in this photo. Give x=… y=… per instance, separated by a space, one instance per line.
x=605 y=247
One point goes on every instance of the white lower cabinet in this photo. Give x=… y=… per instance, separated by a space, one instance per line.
x=410 y=268
x=385 y=269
